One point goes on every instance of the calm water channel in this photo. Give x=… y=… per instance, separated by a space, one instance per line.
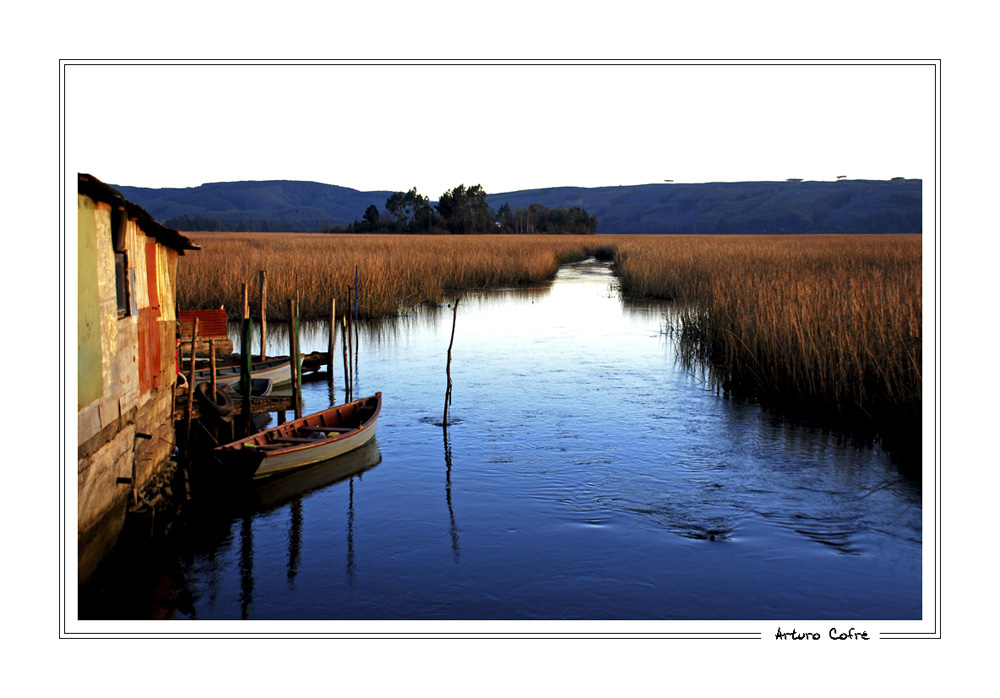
x=586 y=475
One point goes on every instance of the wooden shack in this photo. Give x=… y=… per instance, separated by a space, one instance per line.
x=127 y=331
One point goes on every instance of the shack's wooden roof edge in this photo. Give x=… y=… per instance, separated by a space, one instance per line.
x=97 y=190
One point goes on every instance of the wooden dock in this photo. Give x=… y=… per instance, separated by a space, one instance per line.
x=271 y=403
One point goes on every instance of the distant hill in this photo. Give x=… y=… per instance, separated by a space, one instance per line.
x=846 y=206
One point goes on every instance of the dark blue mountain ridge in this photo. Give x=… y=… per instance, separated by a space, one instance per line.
x=844 y=206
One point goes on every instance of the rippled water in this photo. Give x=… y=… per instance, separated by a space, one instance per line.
x=585 y=475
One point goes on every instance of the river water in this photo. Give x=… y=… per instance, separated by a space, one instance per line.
x=584 y=475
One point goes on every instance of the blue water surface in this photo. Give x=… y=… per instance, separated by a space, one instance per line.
x=584 y=475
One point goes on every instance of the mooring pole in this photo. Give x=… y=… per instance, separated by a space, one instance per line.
x=357 y=330
x=293 y=351
x=263 y=314
x=190 y=395
x=215 y=394
x=447 y=395
x=331 y=345
x=347 y=371
x=211 y=362
x=350 y=343
x=298 y=364
x=246 y=372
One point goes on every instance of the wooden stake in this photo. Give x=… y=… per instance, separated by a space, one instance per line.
x=350 y=350
x=447 y=395
x=263 y=315
x=211 y=361
x=215 y=394
x=293 y=352
x=246 y=303
x=332 y=344
x=347 y=370
x=298 y=365
x=246 y=373
x=190 y=395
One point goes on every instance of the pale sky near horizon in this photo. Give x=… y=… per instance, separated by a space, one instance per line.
x=506 y=127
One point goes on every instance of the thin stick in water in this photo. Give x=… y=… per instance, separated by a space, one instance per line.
x=447 y=395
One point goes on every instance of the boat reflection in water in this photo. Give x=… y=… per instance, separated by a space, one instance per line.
x=289 y=491
x=280 y=490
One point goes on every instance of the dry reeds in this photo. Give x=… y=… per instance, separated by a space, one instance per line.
x=832 y=322
x=396 y=271
x=827 y=321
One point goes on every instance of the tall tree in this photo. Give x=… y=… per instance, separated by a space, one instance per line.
x=465 y=211
x=404 y=207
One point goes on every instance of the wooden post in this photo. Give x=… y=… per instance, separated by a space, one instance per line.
x=447 y=395
x=293 y=354
x=298 y=365
x=246 y=374
x=350 y=344
x=190 y=395
x=332 y=343
x=263 y=315
x=215 y=393
x=246 y=343
x=350 y=349
x=211 y=360
x=347 y=369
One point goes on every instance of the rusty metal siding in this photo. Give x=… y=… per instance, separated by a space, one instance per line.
x=152 y=277
x=150 y=341
x=211 y=323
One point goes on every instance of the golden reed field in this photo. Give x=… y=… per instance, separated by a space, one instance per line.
x=397 y=271
x=833 y=321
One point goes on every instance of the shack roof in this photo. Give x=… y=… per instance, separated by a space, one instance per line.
x=99 y=191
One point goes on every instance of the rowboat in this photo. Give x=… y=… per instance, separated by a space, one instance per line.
x=311 y=439
x=277 y=370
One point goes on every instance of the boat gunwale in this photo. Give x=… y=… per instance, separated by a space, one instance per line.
x=237 y=446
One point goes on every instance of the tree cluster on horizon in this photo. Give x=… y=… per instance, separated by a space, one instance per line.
x=465 y=211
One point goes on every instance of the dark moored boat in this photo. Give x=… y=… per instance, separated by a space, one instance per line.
x=277 y=370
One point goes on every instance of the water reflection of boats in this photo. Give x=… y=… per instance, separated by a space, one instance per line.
x=311 y=439
x=275 y=492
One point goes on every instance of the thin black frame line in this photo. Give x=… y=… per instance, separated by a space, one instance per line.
x=62 y=349
x=935 y=63
x=429 y=635
x=361 y=63
x=936 y=633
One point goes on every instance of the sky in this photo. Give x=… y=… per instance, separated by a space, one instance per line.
x=380 y=126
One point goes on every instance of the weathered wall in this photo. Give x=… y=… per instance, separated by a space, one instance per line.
x=126 y=369
x=89 y=380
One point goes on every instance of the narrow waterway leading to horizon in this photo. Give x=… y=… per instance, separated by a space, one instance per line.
x=584 y=475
